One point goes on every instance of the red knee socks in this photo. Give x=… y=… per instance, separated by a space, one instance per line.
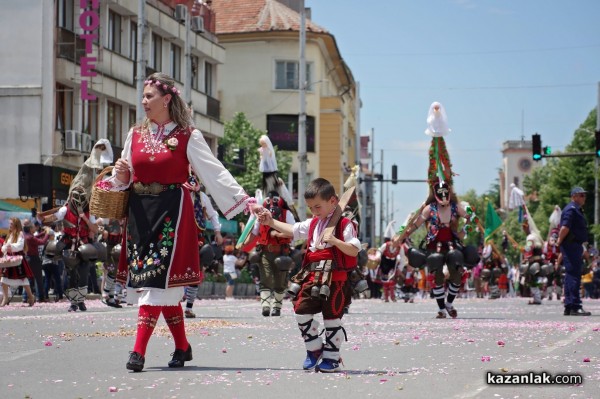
x=147 y=318
x=174 y=318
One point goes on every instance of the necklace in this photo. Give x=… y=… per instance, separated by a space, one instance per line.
x=153 y=142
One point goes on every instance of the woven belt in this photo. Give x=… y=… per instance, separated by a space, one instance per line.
x=153 y=188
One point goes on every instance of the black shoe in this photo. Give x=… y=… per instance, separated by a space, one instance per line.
x=567 y=312
x=112 y=303
x=266 y=311
x=82 y=306
x=73 y=308
x=276 y=312
x=136 y=362
x=180 y=357
x=580 y=312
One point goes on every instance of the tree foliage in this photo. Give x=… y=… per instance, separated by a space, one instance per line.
x=545 y=187
x=240 y=133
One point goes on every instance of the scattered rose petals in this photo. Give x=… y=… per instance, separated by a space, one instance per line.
x=501 y=343
x=586 y=359
x=485 y=358
x=224 y=350
x=356 y=347
x=47 y=343
x=113 y=389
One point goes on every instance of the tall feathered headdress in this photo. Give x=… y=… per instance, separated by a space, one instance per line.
x=440 y=168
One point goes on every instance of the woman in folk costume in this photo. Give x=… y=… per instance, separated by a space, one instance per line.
x=80 y=225
x=389 y=257
x=441 y=213
x=17 y=275
x=161 y=234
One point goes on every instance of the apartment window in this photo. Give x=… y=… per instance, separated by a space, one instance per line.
x=176 y=62
x=132 y=118
x=195 y=77
x=208 y=79
x=286 y=75
x=133 y=42
x=64 y=107
x=89 y=118
x=283 y=131
x=114 y=32
x=156 y=52
x=65 y=14
x=113 y=123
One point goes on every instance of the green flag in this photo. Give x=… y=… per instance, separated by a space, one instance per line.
x=492 y=221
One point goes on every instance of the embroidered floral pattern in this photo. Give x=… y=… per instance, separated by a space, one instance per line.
x=154 y=261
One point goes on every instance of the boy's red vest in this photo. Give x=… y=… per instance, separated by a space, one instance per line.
x=343 y=263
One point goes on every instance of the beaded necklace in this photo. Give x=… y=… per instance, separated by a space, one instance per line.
x=154 y=143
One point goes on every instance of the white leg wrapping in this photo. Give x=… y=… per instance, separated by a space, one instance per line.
x=190 y=294
x=277 y=300
x=81 y=293
x=265 y=298
x=71 y=294
x=335 y=335
x=309 y=328
x=537 y=294
x=109 y=286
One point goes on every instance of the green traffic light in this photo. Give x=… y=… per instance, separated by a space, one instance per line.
x=537 y=157
x=547 y=150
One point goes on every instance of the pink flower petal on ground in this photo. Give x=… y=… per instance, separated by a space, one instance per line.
x=586 y=359
x=113 y=389
x=224 y=350
x=383 y=380
x=47 y=343
x=485 y=358
x=501 y=343
x=356 y=347
x=416 y=337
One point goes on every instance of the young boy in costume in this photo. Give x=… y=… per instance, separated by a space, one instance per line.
x=322 y=285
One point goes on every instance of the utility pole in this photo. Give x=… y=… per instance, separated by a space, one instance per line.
x=596 y=199
x=372 y=188
x=187 y=86
x=302 y=116
x=361 y=193
x=141 y=60
x=381 y=202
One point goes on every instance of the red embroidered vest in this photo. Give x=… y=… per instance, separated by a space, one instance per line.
x=341 y=260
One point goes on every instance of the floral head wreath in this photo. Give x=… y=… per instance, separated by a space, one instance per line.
x=164 y=86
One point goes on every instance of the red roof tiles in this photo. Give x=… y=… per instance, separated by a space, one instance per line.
x=239 y=16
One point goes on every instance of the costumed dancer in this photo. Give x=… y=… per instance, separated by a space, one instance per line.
x=111 y=290
x=161 y=233
x=203 y=212
x=323 y=284
x=270 y=179
x=551 y=252
x=533 y=269
x=17 y=275
x=79 y=225
x=441 y=212
x=388 y=255
x=274 y=250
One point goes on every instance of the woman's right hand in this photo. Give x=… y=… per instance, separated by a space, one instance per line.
x=122 y=170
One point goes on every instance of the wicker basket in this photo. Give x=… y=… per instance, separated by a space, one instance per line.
x=11 y=261
x=108 y=204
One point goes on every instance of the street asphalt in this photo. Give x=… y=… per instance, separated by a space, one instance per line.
x=394 y=350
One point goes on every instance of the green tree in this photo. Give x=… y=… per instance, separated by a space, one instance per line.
x=241 y=134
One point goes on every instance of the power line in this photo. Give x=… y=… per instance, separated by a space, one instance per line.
x=483 y=52
x=549 y=86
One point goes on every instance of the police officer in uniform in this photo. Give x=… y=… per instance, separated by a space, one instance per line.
x=571 y=238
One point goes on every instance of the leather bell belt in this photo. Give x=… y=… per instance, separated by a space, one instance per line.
x=153 y=188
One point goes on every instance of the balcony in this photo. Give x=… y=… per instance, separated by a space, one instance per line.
x=213 y=107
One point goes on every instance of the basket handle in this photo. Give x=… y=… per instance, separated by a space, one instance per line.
x=103 y=173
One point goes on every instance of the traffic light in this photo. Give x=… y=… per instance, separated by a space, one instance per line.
x=547 y=150
x=598 y=143
x=536 y=146
x=394 y=174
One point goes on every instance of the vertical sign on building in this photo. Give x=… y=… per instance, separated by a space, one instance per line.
x=89 y=20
